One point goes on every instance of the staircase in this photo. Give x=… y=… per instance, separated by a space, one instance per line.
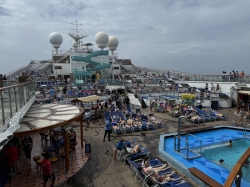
x=65 y=55
x=214 y=99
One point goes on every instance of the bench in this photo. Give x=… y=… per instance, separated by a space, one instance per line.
x=205 y=178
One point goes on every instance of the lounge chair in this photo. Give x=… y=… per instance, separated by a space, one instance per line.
x=129 y=110
x=205 y=114
x=217 y=115
x=136 y=156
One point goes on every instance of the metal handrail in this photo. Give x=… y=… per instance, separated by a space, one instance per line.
x=197 y=138
x=16 y=70
x=13 y=86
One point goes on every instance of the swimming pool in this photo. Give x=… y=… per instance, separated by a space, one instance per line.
x=230 y=155
x=210 y=138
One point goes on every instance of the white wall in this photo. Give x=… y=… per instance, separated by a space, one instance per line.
x=64 y=71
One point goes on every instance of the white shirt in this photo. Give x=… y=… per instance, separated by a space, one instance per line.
x=198 y=101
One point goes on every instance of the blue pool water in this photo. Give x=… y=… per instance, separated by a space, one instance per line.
x=209 y=138
x=230 y=155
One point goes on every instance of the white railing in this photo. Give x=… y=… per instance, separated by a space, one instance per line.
x=64 y=55
x=59 y=52
x=16 y=73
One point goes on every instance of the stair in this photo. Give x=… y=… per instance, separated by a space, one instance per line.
x=214 y=100
x=65 y=55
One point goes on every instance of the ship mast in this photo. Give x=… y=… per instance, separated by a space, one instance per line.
x=75 y=35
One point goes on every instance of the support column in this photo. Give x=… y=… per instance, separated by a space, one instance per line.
x=66 y=150
x=81 y=131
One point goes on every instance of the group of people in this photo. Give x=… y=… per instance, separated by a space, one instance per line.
x=13 y=159
x=232 y=76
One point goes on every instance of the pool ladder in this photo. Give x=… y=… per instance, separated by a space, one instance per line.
x=245 y=129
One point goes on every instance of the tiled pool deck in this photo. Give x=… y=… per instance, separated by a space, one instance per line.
x=215 y=136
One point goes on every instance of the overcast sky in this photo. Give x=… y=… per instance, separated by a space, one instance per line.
x=190 y=36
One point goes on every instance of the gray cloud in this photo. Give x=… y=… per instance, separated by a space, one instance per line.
x=4 y=11
x=189 y=35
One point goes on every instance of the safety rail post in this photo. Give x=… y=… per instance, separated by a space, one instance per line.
x=10 y=102
x=175 y=142
x=15 y=98
x=2 y=107
x=187 y=143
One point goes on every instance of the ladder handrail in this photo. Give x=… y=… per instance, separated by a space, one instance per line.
x=64 y=55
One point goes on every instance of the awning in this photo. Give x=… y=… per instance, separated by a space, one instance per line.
x=244 y=92
x=86 y=99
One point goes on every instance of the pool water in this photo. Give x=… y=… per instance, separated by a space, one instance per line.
x=230 y=155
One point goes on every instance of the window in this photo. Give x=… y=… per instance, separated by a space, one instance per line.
x=58 y=67
x=116 y=68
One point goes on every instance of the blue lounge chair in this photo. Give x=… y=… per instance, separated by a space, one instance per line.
x=129 y=110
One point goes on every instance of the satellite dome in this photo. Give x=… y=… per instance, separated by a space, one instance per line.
x=55 y=39
x=113 y=43
x=74 y=44
x=101 y=39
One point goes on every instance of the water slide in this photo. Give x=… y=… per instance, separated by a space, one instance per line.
x=98 y=65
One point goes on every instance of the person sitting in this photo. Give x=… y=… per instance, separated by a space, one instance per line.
x=117 y=109
x=125 y=125
x=72 y=137
x=55 y=101
x=153 y=119
x=54 y=136
x=114 y=125
x=130 y=121
x=134 y=150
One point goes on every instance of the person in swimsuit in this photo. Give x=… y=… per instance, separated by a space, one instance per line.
x=162 y=178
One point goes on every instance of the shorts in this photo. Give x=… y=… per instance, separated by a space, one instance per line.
x=46 y=178
x=87 y=119
x=119 y=146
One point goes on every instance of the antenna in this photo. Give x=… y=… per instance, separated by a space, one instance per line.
x=76 y=29
x=75 y=34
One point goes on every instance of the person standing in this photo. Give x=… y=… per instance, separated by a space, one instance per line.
x=12 y=155
x=127 y=101
x=99 y=112
x=150 y=105
x=27 y=146
x=242 y=75
x=212 y=88
x=217 y=88
x=4 y=78
x=68 y=80
x=47 y=171
x=108 y=130
x=87 y=115
x=206 y=89
x=199 y=104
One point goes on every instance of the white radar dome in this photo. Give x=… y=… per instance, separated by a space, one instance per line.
x=113 y=43
x=74 y=44
x=101 y=39
x=55 y=39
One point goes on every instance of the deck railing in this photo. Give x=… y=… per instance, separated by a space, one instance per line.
x=13 y=98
